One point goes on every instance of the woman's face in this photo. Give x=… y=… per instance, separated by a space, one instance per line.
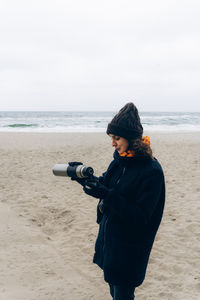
x=120 y=143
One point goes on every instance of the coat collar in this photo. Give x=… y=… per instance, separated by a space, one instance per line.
x=123 y=160
x=128 y=161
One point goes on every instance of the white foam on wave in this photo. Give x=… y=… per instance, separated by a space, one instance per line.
x=172 y=128
x=93 y=121
x=57 y=129
x=53 y=129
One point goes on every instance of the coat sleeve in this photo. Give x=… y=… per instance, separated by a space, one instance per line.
x=140 y=210
x=102 y=180
x=99 y=211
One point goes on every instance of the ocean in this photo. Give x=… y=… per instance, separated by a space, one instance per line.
x=92 y=121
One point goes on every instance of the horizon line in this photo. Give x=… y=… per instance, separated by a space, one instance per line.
x=157 y=111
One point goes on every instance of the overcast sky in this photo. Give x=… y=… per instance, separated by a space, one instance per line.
x=98 y=55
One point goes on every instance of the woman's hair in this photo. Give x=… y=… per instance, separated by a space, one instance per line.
x=141 y=149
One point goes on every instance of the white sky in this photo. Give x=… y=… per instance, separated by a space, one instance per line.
x=98 y=55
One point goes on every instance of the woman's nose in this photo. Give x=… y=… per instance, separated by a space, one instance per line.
x=113 y=143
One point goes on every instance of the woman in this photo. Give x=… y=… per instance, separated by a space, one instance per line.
x=132 y=195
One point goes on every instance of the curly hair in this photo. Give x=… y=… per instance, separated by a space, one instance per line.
x=141 y=149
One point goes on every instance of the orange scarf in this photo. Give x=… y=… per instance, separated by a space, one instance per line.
x=130 y=153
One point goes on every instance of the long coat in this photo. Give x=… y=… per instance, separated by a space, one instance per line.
x=129 y=218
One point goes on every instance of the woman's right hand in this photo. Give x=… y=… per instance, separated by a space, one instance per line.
x=79 y=180
x=74 y=163
x=84 y=180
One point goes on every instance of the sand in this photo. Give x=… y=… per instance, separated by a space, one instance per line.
x=48 y=225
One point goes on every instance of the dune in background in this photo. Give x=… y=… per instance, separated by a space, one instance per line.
x=48 y=225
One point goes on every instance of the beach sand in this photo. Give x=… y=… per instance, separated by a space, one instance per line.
x=48 y=225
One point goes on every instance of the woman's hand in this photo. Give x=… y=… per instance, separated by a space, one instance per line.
x=74 y=163
x=95 y=189
x=79 y=180
x=82 y=181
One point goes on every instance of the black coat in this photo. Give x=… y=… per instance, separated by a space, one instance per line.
x=129 y=218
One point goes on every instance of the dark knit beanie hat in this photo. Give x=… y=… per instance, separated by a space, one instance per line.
x=126 y=123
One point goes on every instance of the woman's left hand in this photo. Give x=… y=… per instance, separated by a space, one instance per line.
x=95 y=189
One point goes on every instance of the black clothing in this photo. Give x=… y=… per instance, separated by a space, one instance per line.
x=122 y=292
x=129 y=218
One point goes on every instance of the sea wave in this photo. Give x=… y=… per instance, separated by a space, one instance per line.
x=63 y=129
x=21 y=125
x=93 y=121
